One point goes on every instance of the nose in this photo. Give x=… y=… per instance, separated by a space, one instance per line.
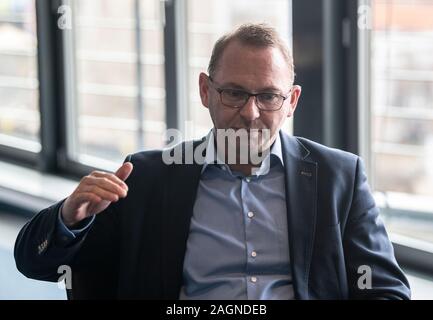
x=250 y=111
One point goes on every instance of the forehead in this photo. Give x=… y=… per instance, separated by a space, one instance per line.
x=253 y=67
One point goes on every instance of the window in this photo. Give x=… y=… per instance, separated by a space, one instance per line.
x=113 y=59
x=402 y=114
x=19 y=95
x=203 y=30
x=119 y=101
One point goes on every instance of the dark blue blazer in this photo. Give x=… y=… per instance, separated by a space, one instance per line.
x=136 y=248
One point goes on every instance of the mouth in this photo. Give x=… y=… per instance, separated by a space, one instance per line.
x=249 y=129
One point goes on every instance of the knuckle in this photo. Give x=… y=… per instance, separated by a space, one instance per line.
x=112 y=176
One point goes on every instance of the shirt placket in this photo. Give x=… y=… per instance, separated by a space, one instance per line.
x=249 y=215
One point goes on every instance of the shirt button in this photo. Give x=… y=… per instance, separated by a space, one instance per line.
x=253 y=254
x=253 y=279
x=250 y=214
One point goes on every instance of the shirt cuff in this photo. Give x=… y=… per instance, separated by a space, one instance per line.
x=65 y=234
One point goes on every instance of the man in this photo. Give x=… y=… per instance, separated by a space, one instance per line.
x=298 y=224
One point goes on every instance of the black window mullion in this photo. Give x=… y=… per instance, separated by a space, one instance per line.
x=170 y=53
x=48 y=85
x=308 y=58
x=326 y=59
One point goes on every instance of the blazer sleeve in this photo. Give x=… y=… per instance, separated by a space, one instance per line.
x=93 y=257
x=368 y=248
x=38 y=252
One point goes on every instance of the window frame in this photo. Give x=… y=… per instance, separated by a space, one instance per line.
x=25 y=157
x=73 y=168
x=57 y=92
x=339 y=52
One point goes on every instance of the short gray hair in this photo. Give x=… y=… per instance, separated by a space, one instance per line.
x=258 y=35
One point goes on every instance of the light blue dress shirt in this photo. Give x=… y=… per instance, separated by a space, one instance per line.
x=238 y=241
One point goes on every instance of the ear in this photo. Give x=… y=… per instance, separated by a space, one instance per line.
x=294 y=98
x=203 y=82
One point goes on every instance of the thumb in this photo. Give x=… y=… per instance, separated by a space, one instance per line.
x=124 y=171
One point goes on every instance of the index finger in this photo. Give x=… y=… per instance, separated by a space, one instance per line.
x=112 y=177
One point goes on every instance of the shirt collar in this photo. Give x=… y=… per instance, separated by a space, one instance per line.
x=212 y=156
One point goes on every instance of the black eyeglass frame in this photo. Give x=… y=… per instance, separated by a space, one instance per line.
x=220 y=91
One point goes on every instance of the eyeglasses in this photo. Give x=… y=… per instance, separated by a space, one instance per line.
x=266 y=101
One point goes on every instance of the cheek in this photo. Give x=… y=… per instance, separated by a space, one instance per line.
x=272 y=121
x=222 y=117
x=226 y=118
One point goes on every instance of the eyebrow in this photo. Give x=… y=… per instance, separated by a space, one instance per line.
x=239 y=87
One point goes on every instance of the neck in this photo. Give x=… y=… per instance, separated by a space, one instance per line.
x=241 y=164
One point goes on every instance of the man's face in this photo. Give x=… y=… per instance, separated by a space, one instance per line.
x=255 y=70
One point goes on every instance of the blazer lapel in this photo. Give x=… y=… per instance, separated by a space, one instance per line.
x=180 y=192
x=301 y=198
